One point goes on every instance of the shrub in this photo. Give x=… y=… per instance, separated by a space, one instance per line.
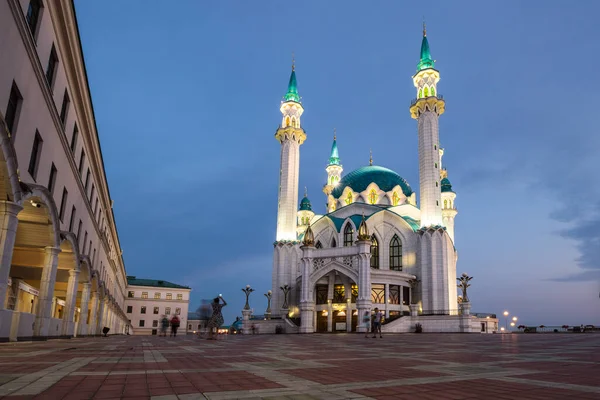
x=278 y=329
x=418 y=328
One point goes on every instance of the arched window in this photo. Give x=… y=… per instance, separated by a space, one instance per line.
x=374 y=253
x=287 y=121
x=348 y=235
x=333 y=242
x=349 y=198
x=294 y=122
x=318 y=245
x=426 y=91
x=432 y=91
x=420 y=93
x=396 y=254
x=372 y=196
x=445 y=203
x=395 y=199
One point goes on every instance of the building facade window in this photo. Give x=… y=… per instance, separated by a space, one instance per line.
x=74 y=138
x=72 y=219
x=321 y=294
x=142 y=323
x=84 y=242
x=169 y=296
x=156 y=310
x=394 y=294
x=179 y=296
x=339 y=294
x=63 y=204
x=87 y=180
x=143 y=310
x=155 y=323
x=144 y=295
x=318 y=245
x=79 y=229
x=36 y=152
x=396 y=254
x=372 y=196
x=377 y=293
x=374 y=253
x=157 y=295
x=52 y=179
x=81 y=160
x=168 y=310
x=51 y=68
x=129 y=309
x=64 y=110
x=131 y=294
x=333 y=242
x=13 y=109
x=93 y=191
x=405 y=295
x=178 y=311
x=33 y=16
x=348 y=235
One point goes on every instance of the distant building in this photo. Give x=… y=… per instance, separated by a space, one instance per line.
x=148 y=300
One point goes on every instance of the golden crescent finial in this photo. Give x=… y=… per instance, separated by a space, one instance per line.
x=424 y=27
x=305 y=192
x=370 y=157
x=293 y=62
x=334 y=134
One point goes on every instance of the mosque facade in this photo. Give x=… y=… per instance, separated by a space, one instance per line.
x=374 y=247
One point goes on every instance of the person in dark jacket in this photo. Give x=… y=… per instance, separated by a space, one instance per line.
x=174 y=325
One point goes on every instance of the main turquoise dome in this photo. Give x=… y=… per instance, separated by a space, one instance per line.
x=359 y=179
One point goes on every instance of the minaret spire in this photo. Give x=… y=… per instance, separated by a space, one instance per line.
x=370 y=157
x=291 y=135
x=426 y=110
x=334 y=172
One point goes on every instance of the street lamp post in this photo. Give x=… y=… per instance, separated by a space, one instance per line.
x=514 y=321
x=506 y=320
x=247 y=291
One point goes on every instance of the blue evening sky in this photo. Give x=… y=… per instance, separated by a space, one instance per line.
x=187 y=93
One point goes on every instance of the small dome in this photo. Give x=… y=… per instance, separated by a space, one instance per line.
x=305 y=204
x=446 y=185
x=359 y=179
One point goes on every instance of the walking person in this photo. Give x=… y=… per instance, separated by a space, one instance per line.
x=164 y=325
x=367 y=322
x=377 y=322
x=174 y=325
x=216 y=320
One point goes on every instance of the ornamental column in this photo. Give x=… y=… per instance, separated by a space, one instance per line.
x=307 y=304
x=83 y=327
x=42 y=320
x=93 y=314
x=363 y=302
x=71 y=299
x=8 y=233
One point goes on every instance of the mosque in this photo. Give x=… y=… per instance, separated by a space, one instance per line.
x=374 y=246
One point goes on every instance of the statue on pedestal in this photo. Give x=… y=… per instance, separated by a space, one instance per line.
x=463 y=285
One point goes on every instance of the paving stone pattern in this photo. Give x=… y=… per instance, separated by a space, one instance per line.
x=328 y=366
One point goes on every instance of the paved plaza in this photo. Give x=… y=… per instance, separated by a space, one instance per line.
x=327 y=366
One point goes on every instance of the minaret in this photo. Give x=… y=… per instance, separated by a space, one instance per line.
x=291 y=136
x=334 y=173
x=305 y=214
x=449 y=210
x=426 y=109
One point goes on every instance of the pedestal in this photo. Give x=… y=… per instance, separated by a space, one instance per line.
x=246 y=327
x=307 y=310
x=465 y=318
x=414 y=310
x=466 y=308
x=268 y=315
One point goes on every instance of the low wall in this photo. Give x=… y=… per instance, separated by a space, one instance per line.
x=269 y=326
x=440 y=324
x=54 y=328
x=25 y=325
x=5 y=324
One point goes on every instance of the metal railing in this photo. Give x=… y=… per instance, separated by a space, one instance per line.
x=440 y=312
